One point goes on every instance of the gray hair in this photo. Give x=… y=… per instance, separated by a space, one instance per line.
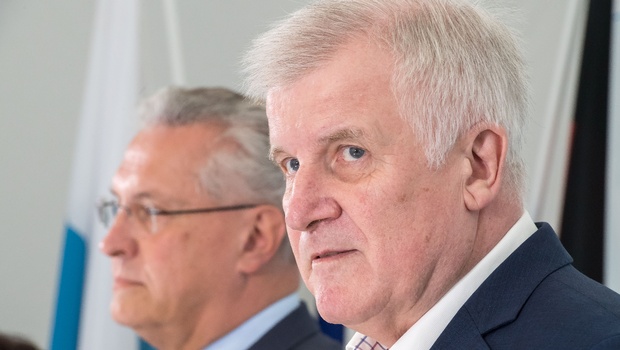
x=455 y=66
x=240 y=169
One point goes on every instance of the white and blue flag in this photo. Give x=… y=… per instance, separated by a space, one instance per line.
x=82 y=319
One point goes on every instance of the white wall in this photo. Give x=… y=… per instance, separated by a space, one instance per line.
x=43 y=55
x=42 y=65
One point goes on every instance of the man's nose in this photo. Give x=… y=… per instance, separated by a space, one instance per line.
x=309 y=199
x=119 y=241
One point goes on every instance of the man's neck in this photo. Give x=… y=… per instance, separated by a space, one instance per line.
x=214 y=321
x=491 y=226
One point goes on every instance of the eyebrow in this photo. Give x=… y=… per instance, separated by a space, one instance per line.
x=274 y=152
x=342 y=134
x=338 y=135
x=137 y=197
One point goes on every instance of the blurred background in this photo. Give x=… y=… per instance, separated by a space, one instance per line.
x=47 y=50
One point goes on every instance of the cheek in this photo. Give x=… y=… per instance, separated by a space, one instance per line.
x=294 y=238
x=388 y=202
x=287 y=196
x=177 y=258
x=165 y=261
x=403 y=212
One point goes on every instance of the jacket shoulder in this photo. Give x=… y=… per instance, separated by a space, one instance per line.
x=567 y=310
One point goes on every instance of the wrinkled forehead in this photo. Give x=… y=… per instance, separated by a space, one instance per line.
x=352 y=92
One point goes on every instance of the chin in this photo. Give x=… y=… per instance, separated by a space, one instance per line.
x=126 y=313
x=119 y=314
x=332 y=305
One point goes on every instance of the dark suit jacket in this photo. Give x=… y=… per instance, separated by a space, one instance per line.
x=536 y=300
x=297 y=331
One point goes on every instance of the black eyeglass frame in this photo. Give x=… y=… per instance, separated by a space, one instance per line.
x=157 y=212
x=154 y=211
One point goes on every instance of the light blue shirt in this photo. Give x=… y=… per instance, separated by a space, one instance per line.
x=253 y=329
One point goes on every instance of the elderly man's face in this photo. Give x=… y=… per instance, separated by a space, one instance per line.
x=184 y=270
x=376 y=234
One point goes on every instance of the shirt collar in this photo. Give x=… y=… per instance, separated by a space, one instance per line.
x=258 y=325
x=424 y=333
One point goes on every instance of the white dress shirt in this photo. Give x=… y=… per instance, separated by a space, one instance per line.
x=423 y=334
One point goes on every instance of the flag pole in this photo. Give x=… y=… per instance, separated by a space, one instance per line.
x=612 y=219
x=175 y=44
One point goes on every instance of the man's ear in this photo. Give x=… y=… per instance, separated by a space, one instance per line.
x=485 y=152
x=263 y=240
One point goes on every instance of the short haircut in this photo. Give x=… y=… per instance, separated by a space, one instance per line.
x=240 y=168
x=456 y=65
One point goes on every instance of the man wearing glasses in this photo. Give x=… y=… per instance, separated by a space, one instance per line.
x=196 y=230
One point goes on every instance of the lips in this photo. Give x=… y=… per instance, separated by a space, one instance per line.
x=120 y=283
x=330 y=254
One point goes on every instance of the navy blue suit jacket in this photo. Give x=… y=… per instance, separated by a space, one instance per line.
x=297 y=331
x=536 y=300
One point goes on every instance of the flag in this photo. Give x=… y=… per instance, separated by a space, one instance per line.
x=611 y=275
x=582 y=231
x=554 y=70
x=82 y=318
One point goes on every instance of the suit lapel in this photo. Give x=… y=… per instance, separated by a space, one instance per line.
x=294 y=328
x=463 y=335
x=500 y=298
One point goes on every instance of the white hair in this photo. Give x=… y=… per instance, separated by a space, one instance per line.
x=240 y=169
x=455 y=65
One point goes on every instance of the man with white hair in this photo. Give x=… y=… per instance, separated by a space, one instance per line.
x=398 y=125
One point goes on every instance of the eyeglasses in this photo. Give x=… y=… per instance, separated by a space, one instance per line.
x=108 y=211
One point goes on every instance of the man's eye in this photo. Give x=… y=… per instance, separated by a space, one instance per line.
x=352 y=153
x=151 y=210
x=145 y=211
x=292 y=165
